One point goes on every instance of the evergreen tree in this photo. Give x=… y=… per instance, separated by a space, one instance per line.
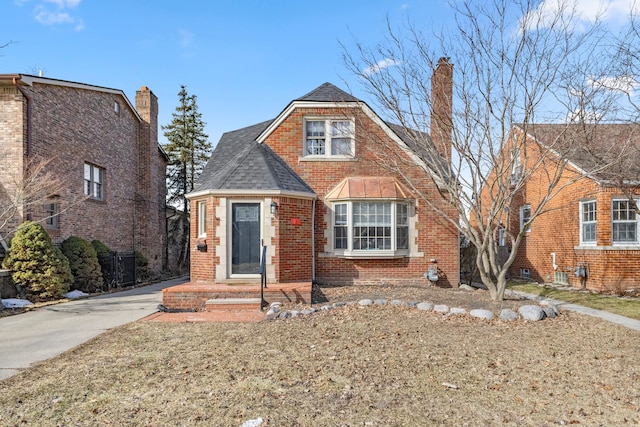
x=188 y=150
x=37 y=267
x=84 y=264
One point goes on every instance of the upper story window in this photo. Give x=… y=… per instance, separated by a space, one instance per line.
x=588 y=222
x=328 y=138
x=525 y=217
x=94 y=181
x=624 y=222
x=371 y=228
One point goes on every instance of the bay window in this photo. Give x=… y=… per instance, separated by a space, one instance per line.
x=364 y=228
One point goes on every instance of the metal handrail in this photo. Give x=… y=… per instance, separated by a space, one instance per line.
x=263 y=276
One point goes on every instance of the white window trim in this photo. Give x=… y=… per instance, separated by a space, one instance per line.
x=202 y=219
x=52 y=215
x=625 y=243
x=371 y=253
x=522 y=221
x=327 y=132
x=582 y=223
x=92 y=180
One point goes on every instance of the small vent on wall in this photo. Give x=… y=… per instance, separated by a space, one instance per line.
x=116 y=107
x=525 y=273
x=561 y=277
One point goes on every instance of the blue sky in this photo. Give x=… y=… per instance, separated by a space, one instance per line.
x=245 y=60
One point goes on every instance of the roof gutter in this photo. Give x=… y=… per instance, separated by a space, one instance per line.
x=28 y=98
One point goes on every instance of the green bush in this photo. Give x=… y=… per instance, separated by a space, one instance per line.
x=142 y=267
x=84 y=264
x=41 y=270
x=104 y=258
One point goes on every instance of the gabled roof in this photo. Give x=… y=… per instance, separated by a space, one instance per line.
x=606 y=152
x=240 y=164
x=327 y=92
x=29 y=80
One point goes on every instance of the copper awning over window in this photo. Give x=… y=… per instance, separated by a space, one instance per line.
x=360 y=187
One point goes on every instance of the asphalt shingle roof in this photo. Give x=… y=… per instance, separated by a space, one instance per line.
x=609 y=152
x=240 y=163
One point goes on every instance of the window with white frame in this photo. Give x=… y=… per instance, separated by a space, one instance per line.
x=588 y=222
x=624 y=222
x=515 y=166
x=525 y=216
x=202 y=219
x=94 y=181
x=328 y=138
x=371 y=227
x=51 y=211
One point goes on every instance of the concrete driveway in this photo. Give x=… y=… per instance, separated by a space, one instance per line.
x=49 y=331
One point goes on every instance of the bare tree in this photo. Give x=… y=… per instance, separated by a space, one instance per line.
x=516 y=64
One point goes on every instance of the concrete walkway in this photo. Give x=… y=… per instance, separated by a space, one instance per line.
x=610 y=317
x=49 y=331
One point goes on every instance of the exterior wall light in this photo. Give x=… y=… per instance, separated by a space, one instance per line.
x=273 y=207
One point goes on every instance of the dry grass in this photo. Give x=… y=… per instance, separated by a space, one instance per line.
x=378 y=366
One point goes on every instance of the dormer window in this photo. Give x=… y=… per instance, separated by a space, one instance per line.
x=328 y=138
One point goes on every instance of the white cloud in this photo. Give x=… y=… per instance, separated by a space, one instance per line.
x=44 y=15
x=584 y=11
x=62 y=4
x=381 y=65
x=623 y=84
x=51 y=18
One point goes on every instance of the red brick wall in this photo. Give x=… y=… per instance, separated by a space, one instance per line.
x=558 y=231
x=293 y=258
x=203 y=263
x=71 y=126
x=435 y=238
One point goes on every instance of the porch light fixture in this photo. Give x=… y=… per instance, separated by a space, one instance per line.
x=273 y=207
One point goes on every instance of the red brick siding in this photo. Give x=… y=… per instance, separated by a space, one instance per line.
x=435 y=238
x=293 y=259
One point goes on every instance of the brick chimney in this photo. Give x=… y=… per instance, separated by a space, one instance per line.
x=441 y=108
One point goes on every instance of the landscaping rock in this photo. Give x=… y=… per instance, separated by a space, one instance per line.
x=306 y=312
x=531 y=312
x=326 y=307
x=411 y=303
x=365 y=302
x=284 y=315
x=548 y=311
x=457 y=310
x=396 y=302
x=481 y=313
x=338 y=304
x=508 y=314
x=465 y=287
x=424 y=306
x=552 y=306
x=441 y=308
x=294 y=313
x=380 y=301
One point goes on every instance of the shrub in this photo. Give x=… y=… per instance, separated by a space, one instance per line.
x=104 y=258
x=84 y=264
x=41 y=270
x=142 y=267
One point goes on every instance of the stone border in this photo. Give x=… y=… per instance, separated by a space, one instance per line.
x=528 y=312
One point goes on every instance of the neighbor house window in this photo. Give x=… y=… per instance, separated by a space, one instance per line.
x=94 y=181
x=328 y=138
x=202 y=219
x=51 y=211
x=525 y=216
x=372 y=227
x=588 y=222
x=624 y=221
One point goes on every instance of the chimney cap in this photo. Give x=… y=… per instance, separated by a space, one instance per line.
x=144 y=88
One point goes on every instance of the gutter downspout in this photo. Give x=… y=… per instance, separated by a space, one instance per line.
x=313 y=240
x=28 y=98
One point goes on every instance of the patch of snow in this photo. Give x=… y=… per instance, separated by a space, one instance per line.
x=15 y=303
x=252 y=423
x=75 y=294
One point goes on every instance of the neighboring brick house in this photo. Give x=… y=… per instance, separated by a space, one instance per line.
x=589 y=234
x=309 y=187
x=103 y=149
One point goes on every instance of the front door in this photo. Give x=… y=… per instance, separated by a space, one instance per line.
x=245 y=238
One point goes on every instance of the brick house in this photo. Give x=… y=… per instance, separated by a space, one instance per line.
x=308 y=188
x=588 y=235
x=100 y=145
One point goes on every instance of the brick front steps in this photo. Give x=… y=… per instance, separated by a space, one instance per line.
x=210 y=297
